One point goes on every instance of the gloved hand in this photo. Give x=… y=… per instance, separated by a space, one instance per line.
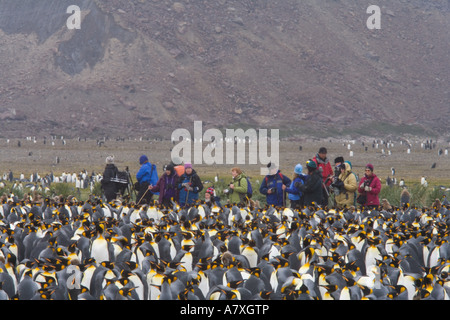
x=187 y=186
x=367 y=189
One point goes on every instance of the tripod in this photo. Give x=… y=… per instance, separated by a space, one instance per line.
x=130 y=186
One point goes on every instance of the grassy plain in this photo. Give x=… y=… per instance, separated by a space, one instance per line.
x=28 y=156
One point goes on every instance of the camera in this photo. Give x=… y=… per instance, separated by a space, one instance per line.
x=338 y=186
x=338 y=183
x=228 y=190
x=367 y=183
x=273 y=190
x=337 y=171
x=170 y=186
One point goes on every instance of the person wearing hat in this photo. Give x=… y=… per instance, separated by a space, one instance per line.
x=347 y=185
x=167 y=186
x=338 y=161
x=295 y=196
x=370 y=186
x=211 y=199
x=274 y=185
x=189 y=186
x=146 y=176
x=312 y=188
x=109 y=187
x=324 y=167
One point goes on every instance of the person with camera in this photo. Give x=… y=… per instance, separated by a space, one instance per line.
x=344 y=186
x=312 y=188
x=167 y=186
x=369 y=188
x=274 y=185
x=189 y=185
x=237 y=191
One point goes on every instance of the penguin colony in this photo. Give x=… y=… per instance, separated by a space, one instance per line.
x=66 y=249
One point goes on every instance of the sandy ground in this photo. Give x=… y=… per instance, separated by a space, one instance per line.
x=31 y=155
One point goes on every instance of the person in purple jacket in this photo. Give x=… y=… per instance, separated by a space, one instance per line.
x=167 y=186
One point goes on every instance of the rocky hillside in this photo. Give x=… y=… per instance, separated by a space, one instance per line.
x=146 y=67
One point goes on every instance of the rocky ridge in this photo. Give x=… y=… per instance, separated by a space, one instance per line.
x=147 y=67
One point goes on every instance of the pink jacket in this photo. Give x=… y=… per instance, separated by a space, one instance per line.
x=372 y=196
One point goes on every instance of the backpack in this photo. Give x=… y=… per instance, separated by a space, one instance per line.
x=249 y=187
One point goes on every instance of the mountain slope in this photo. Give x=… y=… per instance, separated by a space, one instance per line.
x=146 y=67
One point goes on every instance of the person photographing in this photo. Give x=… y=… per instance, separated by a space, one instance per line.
x=238 y=187
x=369 y=188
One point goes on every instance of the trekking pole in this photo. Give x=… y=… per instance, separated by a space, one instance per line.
x=142 y=196
x=187 y=194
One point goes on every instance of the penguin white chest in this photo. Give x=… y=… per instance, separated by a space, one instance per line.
x=99 y=250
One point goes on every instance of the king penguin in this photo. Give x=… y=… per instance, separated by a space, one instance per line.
x=251 y=253
x=100 y=247
x=27 y=287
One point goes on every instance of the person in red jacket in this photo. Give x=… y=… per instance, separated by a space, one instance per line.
x=324 y=166
x=370 y=185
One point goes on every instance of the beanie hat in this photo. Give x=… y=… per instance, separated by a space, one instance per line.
x=110 y=159
x=298 y=169
x=322 y=150
x=339 y=159
x=311 y=164
x=143 y=159
x=210 y=190
x=187 y=165
x=350 y=164
x=369 y=166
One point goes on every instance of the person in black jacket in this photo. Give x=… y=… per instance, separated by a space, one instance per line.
x=312 y=188
x=189 y=185
x=109 y=187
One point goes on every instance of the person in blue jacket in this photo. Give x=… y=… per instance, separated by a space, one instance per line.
x=146 y=177
x=274 y=185
x=295 y=196
x=189 y=185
